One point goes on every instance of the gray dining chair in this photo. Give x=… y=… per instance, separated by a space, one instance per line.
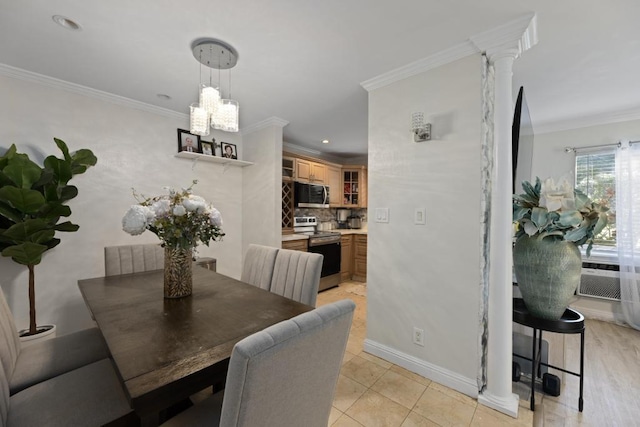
x=296 y=275
x=128 y=259
x=285 y=375
x=257 y=267
x=47 y=359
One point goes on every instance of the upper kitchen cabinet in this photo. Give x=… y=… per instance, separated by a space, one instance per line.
x=354 y=186
x=334 y=181
x=312 y=172
x=288 y=168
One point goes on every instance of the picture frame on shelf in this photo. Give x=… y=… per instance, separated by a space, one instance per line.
x=188 y=141
x=229 y=151
x=206 y=148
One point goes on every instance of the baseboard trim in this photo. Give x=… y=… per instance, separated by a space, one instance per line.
x=435 y=373
x=508 y=406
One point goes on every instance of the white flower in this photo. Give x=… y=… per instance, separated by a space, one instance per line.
x=161 y=207
x=557 y=197
x=135 y=220
x=179 y=210
x=194 y=204
x=215 y=217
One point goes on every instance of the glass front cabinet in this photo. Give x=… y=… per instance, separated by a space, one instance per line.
x=354 y=187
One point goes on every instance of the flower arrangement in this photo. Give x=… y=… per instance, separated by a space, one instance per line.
x=180 y=219
x=558 y=212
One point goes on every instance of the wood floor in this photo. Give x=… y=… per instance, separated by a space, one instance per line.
x=611 y=384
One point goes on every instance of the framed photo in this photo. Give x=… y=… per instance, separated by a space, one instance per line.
x=207 y=147
x=229 y=150
x=188 y=141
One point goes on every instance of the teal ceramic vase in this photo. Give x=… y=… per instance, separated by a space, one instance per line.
x=548 y=273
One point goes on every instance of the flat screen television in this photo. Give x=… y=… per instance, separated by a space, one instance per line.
x=521 y=143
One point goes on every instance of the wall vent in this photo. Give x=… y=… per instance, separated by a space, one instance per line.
x=600 y=280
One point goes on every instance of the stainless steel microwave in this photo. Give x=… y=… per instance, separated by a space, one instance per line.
x=311 y=195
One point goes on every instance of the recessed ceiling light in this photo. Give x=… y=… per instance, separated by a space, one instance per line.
x=325 y=141
x=163 y=96
x=67 y=23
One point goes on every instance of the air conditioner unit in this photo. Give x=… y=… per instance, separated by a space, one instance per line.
x=600 y=280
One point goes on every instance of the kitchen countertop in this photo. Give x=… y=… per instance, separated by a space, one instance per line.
x=352 y=231
x=290 y=237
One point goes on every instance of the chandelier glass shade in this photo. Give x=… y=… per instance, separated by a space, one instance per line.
x=221 y=114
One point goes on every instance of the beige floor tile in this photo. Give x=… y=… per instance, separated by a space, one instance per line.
x=401 y=390
x=362 y=371
x=444 y=409
x=453 y=393
x=411 y=375
x=347 y=392
x=375 y=410
x=416 y=420
x=346 y=421
x=334 y=415
x=375 y=359
x=347 y=356
x=487 y=417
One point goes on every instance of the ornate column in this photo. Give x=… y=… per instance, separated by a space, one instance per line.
x=502 y=46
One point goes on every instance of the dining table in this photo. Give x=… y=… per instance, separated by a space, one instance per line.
x=165 y=350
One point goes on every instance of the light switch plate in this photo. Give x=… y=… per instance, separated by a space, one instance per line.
x=420 y=216
x=382 y=214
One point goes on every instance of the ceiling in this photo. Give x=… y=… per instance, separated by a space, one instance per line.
x=304 y=60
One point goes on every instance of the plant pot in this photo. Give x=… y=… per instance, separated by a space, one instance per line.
x=548 y=273
x=45 y=332
x=178 y=280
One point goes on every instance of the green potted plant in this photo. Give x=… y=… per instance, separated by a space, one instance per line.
x=552 y=221
x=32 y=204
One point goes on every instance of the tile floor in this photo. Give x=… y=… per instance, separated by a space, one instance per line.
x=372 y=392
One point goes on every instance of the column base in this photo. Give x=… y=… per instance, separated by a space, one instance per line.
x=508 y=405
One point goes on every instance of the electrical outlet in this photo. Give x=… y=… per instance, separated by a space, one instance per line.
x=420 y=216
x=382 y=214
x=418 y=336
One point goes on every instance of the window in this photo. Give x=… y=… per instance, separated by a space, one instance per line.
x=596 y=177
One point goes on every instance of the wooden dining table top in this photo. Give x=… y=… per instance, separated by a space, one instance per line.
x=166 y=349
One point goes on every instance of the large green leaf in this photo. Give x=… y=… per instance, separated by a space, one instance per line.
x=53 y=243
x=27 y=253
x=22 y=171
x=519 y=213
x=576 y=234
x=45 y=178
x=68 y=192
x=42 y=237
x=539 y=217
x=63 y=147
x=67 y=226
x=24 y=200
x=4 y=160
x=570 y=218
x=61 y=169
x=601 y=224
x=54 y=210
x=22 y=231
x=10 y=213
x=82 y=160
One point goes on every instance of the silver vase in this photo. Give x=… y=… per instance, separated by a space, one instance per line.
x=548 y=273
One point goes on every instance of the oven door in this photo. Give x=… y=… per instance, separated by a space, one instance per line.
x=332 y=256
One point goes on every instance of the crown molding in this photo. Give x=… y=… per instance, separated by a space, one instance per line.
x=270 y=122
x=588 y=121
x=304 y=151
x=430 y=62
x=520 y=34
x=31 y=77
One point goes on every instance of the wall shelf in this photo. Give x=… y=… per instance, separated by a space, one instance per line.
x=212 y=159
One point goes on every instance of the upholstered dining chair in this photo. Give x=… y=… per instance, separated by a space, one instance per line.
x=42 y=361
x=296 y=275
x=257 y=268
x=285 y=375
x=133 y=259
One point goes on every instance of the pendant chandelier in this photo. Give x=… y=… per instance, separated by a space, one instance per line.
x=211 y=110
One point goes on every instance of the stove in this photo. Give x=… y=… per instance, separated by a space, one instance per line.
x=326 y=243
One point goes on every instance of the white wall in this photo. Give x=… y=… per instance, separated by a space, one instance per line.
x=550 y=160
x=262 y=187
x=134 y=148
x=427 y=276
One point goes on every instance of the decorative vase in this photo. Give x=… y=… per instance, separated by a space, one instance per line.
x=178 y=280
x=548 y=273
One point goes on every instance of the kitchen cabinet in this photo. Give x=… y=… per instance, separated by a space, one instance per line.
x=334 y=181
x=360 y=258
x=288 y=168
x=346 y=261
x=354 y=187
x=312 y=172
x=296 y=245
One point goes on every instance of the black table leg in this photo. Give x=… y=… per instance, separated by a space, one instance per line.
x=580 y=401
x=533 y=371
x=540 y=353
